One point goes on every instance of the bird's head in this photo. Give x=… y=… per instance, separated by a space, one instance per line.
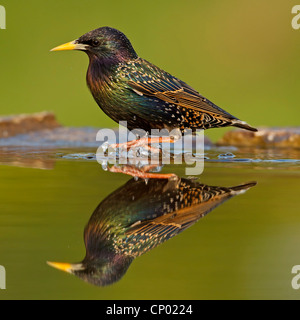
x=104 y=42
x=99 y=272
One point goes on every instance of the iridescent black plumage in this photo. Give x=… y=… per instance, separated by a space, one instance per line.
x=129 y=88
x=137 y=217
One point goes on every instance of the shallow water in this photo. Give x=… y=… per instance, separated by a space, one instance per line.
x=244 y=248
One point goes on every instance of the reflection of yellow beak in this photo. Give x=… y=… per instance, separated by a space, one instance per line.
x=67 y=267
x=73 y=45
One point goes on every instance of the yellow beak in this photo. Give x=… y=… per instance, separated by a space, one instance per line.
x=73 y=45
x=67 y=267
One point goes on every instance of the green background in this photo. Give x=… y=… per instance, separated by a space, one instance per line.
x=242 y=55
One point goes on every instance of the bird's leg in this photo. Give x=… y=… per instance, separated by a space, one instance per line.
x=143 y=142
x=152 y=149
x=141 y=173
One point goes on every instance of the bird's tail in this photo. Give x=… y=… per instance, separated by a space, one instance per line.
x=242 y=187
x=243 y=125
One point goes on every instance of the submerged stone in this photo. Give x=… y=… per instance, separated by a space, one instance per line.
x=264 y=137
x=23 y=123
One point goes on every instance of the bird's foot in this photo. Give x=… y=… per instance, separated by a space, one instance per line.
x=140 y=149
x=142 y=172
x=145 y=142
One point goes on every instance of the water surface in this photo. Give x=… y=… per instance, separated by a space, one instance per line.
x=241 y=248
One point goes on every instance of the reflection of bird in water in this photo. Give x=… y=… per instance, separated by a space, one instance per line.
x=136 y=218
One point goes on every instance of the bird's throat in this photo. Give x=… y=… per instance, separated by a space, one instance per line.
x=99 y=71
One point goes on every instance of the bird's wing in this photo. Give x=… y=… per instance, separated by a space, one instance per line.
x=172 y=223
x=195 y=204
x=147 y=79
x=165 y=226
x=148 y=234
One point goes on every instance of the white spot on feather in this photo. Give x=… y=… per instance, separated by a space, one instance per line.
x=138 y=92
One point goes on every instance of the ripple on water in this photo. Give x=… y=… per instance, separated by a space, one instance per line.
x=209 y=157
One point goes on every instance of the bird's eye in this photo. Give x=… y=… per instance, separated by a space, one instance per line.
x=95 y=43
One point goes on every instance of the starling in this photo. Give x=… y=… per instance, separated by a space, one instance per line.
x=129 y=88
x=136 y=218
